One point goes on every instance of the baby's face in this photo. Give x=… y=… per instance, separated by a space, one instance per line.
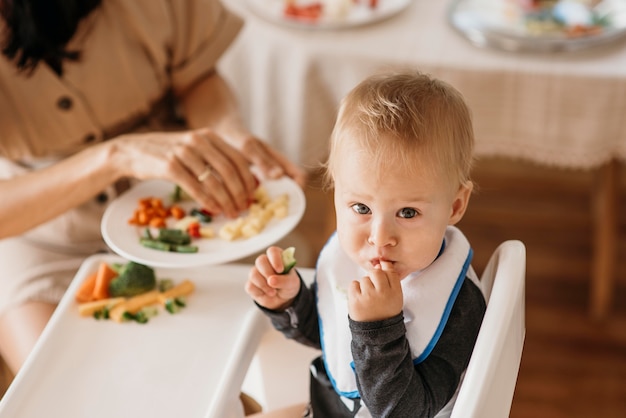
x=397 y=215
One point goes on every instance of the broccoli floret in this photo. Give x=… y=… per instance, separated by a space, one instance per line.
x=133 y=279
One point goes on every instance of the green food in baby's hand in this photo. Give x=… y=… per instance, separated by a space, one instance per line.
x=289 y=259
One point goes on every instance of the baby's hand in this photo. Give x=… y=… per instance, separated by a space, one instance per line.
x=377 y=297
x=267 y=286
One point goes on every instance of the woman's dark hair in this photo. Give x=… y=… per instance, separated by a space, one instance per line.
x=40 y=30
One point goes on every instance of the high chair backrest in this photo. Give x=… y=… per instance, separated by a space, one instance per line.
x=489 y=383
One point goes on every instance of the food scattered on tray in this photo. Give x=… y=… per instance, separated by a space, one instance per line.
x=172 y=228
x=129 y=292
x=569 y=18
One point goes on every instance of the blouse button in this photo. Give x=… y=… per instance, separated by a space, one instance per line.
x=89 y=138
x=102 y=198
x=64 y=103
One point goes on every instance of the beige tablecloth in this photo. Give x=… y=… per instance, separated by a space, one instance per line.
x=562 y=109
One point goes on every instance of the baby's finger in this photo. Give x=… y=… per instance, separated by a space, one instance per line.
x=258 y=284
x=388 y=268
x=379 y=279
x=354 y=289
x=275 y=257
x=283 y=282
x=264 y=265
x=253 y=290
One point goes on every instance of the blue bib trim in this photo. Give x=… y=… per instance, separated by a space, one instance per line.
x=448 y=309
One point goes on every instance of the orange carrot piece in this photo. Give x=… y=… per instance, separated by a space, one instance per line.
x=177 y=212
x=85 y=291
x=157 y=222
x=103 y=278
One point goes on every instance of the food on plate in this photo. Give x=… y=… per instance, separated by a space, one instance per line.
x=133 y=279
x=289 y=259
x=171 y=239
x=309 y=12
x=179 y=194
x=163 y=234
x=571 y=18
x=259 y=215
x=134 y=293
x=152 y=212
x=312 y=11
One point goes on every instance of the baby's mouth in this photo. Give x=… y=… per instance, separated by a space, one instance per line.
x=376 y=262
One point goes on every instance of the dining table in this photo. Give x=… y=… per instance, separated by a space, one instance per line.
x=560 y=109
x=189 y=364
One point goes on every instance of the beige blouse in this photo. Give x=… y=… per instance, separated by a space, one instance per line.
x=133 y=53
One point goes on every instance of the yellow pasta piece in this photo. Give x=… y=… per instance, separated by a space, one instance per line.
x=250 y=230
x=281 y=211
x=207 y=232
x=229 y=232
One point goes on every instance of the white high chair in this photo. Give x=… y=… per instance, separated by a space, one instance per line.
x=487 y=390
x=489 y=383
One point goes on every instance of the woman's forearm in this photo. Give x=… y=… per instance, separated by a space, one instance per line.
x=211 y=103
x=34 y=198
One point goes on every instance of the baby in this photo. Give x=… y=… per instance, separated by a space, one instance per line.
x=395 y=306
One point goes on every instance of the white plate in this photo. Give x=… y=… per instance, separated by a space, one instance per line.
x=124 y=238
x=191 y=364
x=358 y=14
x=489 y=23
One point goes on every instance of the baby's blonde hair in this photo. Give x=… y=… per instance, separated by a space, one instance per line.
x=394 y=117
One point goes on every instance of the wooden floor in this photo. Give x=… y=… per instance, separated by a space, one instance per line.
x=572 y=366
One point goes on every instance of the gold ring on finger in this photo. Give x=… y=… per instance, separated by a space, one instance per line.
x=208 y=171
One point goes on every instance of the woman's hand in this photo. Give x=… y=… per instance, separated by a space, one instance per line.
x=271 y=163
x=215 y=174
x=211 y=103
x=267 y=286
x=376 y=297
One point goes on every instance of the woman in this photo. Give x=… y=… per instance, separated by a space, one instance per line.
x=92 y=93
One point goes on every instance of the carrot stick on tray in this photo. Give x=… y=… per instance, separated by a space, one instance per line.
x=85 y=291
x=103 y=278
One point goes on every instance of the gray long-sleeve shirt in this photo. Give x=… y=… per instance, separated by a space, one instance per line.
x=388 y=381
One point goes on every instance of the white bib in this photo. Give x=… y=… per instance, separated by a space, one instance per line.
x=429 y=295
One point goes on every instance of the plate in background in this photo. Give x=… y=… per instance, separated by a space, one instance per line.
x=356 y=15
x=489 y=23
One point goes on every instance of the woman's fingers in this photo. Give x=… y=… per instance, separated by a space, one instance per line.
x=238 y=164
x=221 y=174
x=271 y=163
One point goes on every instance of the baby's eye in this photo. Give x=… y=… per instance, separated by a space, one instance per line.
x=408 y=213
x=361 y=209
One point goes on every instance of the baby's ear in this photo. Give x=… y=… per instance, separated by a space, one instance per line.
x=460 y=202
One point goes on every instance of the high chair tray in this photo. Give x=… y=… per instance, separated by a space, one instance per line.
x=189 y=364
